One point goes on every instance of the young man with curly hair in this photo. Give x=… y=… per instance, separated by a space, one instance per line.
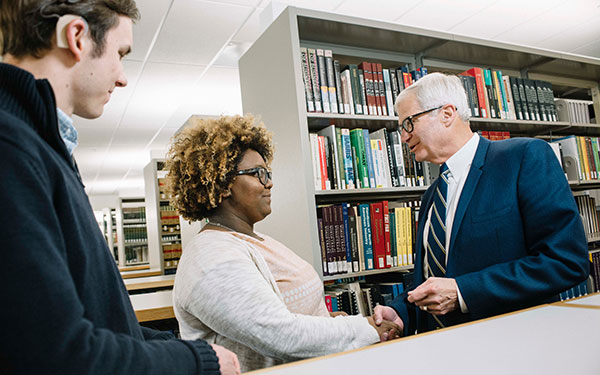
x=235 y=286
x=66 y=309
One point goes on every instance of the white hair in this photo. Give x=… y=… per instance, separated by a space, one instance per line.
x=437 y=89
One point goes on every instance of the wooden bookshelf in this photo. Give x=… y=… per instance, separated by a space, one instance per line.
x=272 y=87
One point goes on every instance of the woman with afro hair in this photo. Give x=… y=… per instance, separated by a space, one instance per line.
x=237 y=287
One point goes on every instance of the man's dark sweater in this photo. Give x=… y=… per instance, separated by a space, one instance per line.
x=65 y=309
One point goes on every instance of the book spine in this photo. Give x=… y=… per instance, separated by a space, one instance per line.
x=347 y=149
x=331 y=81
x=386 y=235
x=353 y=238
x=314 y=76
x=392 y=160
x=361 y=89
x=523 y=97
x=347 y=239
x=340 y=159
x=308 y=90
x=367 y=239
x=323 y=80
x=338 y=87
x=382 y=100
x=378 y=237
x=369 y=159
x=356 y=96
x=387 y=81
x=347 y=92
x=322 y=244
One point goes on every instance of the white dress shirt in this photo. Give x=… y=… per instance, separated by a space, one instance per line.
x=459 y=165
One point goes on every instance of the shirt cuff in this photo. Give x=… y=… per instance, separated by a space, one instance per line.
x=461 y=302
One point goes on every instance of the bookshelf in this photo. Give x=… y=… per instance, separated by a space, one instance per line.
x=272 y=87
x=133 y=235
x=168 y=233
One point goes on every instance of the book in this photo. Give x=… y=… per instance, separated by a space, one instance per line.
x=330 y=133
x=324 y=87
x=332 y=92
x=338 y=87
x=377 y=227
x=365 y=217
x=308 y=90
x=369 y=159
x=314 y=77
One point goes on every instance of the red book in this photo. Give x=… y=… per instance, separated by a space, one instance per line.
x=328 y=303
x=377 y=230
x=386 y=235
x=322 y=162
x=485 y=134
x=505 y=135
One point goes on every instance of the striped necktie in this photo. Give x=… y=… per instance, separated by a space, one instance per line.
x=436 y=239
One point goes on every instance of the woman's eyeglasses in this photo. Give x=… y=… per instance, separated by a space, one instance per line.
x=261 y=173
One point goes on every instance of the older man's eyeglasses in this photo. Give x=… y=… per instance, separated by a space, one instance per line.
x=261 y=173
x=407 y=123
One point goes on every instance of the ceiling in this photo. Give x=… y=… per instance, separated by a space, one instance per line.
x=184 y=62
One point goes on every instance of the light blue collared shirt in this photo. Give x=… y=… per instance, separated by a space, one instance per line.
x=67 y=131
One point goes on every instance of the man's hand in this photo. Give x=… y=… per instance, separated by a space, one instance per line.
x=385 y=313
x=228 y=361
x=387 y=330
x=437 y=295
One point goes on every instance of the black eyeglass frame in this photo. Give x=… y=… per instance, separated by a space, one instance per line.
x=261 y=173
x=408 y=125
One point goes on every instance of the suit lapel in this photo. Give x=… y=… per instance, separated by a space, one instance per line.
x=468 y=189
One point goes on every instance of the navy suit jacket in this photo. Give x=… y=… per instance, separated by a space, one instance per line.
x=517 y=238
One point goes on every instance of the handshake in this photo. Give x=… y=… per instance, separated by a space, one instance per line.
x=387 y=329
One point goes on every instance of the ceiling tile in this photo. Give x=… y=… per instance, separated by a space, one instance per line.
x=384 y=10
x=501 y=17
x=161 y=90
x=592 y=49
x=251 y=29
x=119 y=159
x=247 y=3
x=217 y=93
x=195 y=31
x=440 y=15
x=144 y=30
x=575 y=37
x=133 y=137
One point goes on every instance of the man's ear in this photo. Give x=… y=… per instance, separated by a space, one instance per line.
x=70 y=34
x=448 y=114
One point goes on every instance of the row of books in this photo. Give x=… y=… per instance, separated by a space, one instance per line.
x=575 y=111
x=363 y=89
x=349 y=159
x=361 y=298
x=579 y=290
x=135 y=233
x=491 y=94
x=583 y=153
x=588 y=212
x=494 y=135
x=367 y=236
